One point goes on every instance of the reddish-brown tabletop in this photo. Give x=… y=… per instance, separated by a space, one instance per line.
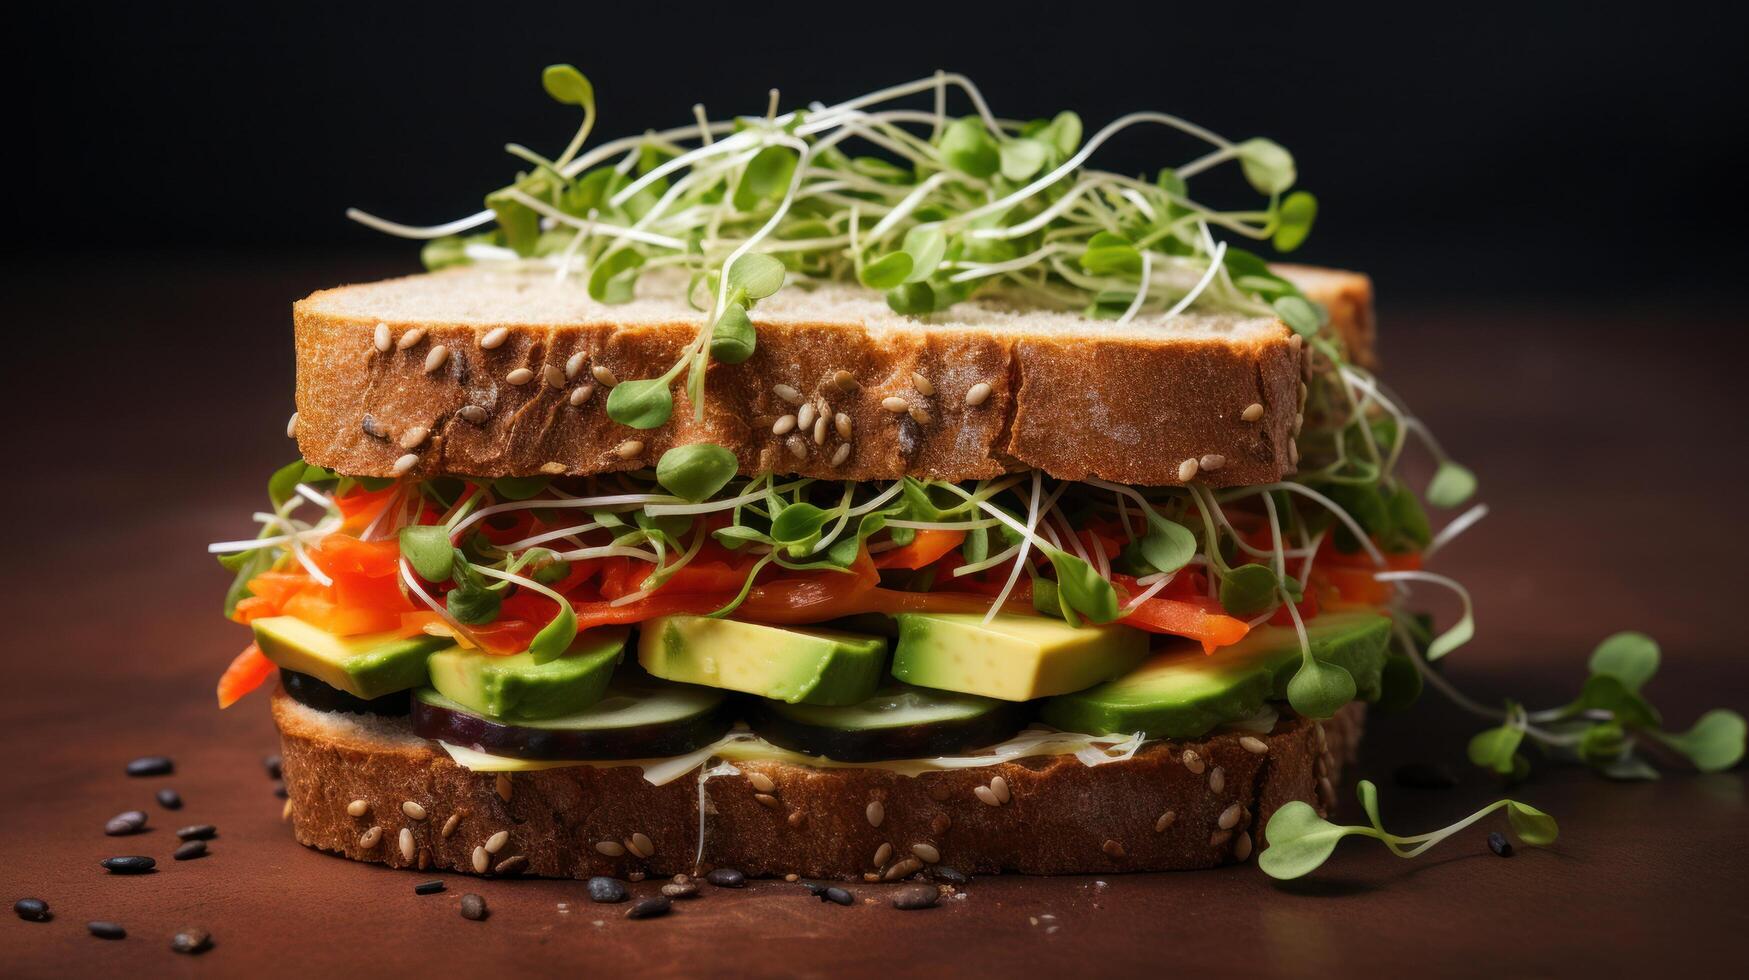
x=148 y=415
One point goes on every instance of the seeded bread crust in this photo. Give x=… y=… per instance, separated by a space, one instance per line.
x=1061 y=817
x=1074 y=403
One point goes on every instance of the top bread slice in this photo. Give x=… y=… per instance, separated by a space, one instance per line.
x=503 y=371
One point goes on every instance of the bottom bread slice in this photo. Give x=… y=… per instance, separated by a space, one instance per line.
x=1170 y=806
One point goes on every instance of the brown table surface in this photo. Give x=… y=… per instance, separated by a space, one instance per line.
x=154 y=395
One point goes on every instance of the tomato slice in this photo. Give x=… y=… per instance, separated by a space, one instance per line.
x=247 y=672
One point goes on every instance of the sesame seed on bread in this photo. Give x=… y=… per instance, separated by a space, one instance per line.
x=1170 y=806
x=519 y=386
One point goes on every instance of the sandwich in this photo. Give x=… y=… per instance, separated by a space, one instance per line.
x=722 y=498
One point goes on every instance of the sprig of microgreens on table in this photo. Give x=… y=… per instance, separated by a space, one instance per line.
x=942 y=208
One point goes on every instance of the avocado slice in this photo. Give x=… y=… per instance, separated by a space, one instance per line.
x=1014 y=658
x=1183 y=693
x=368 y=666
x=519 y=687
x=806 y=666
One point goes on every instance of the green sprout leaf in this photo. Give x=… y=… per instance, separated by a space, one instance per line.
x=1248 y=590
x=767 y=175
x=1497 y=748
x=473 y=605
x=1294 y=220
x=1299 y=314
x=733 y=339
x=1532 y=826
x=555 y=637
x=642 y=404
x=1082 y=590
x=1063 y=133
x=887 y=271
x=1267 y=165
x=1022 y=158
x=1451 y=486
x=968 y=147
x=426 y=547
x=1714 y=744
x=925 y=244
x=912 y=299
x=757 y=275
x=1318 y=689
x=1168 y=545
x=613 y=279
x=568 y=86
x=1629 y=657
x=519 y=487
x=697 y=471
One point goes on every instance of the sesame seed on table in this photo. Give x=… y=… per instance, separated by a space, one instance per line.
x=116 y=644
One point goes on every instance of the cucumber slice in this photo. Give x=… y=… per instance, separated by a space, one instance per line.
x=638 y=718
x=898 y=722
x=309 y=691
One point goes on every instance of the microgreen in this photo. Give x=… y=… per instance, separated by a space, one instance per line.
x=1299 y=840
x=426 y=547
x=696 y=471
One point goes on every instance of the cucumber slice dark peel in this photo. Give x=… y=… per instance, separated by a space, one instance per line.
x=899 y=722
x=636 y=720
x=307 y=690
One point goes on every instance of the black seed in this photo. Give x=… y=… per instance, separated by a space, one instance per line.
x=279 y=790
x=169 y=799
x=192 y=941
x=428 y=888
x=953 y=876
x=473 y=907
x=272 y=764
x=726 y=878
x=681 y=889
x=816 y=888
x=106 y=930
x=151 y=765
x=838 y=895
x=31 y=909
x=1420 y=775
x=191 y=850
x=199 y=831
x=132 y=864
x=650 y=907
x=605 y=889
x=916 y=897
x=123 y=824
x=1498 y=843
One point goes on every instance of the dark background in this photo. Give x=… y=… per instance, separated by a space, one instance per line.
x=1469 y=153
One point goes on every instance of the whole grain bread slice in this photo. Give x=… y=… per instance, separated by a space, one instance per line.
x=1173 y=805
x=504 y=372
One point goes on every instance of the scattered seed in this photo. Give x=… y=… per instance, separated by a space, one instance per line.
x=511 y=865
x=726 y=878
x=191 y=850
x=902 y=868
x=357 y=808
x=285 y=812
x=680 y=889
x=787 y=393
x=450 y=825
x=151 y=765
x=761 y=782
x=1252 y=412
x=32 y=909
x=494 y=338
x=1242 y=846
x=842 y=423
x=1498 y=843
x=496 y=842
x=987 y=795
x=1166 y=820
x=952 y=876
x=424 y=859
x=123 y=824
x=581 y=394
x=875 y=813
x=428 y=888
x=1293 y=453
x=918 y=415
x=1187 y=471
x=192 y=941
x=407 y=851
x=382 y=338
x=767 y=800
x=199 y=831
x=610 y=848
x=435 y=358
x=805 y=417
x=792 y=877
x=795 y=818
x=604 y=375
x=926 y=852
x=519 y=377
x=405 y=463
x=882 y=855
x=841 y=455
x=106 y=930
x=895 y=404
x=1253 y=745
x=553 y=375
x=291 y=426
x=999 y=786
x=838 y=896
x=1217 y=780
x=413 y=810
x=280 y=791
x=783 y=426
x=481 y=860
x=1220 y=837
x=939 y=823
x=629 y=449
x=1295 y=341
x=410 y=338
x=274 y=766
x=650 y=908
x=474 y=907
x=370 y=838
x=641 y=845
x=797 y=446
x=1112 y=848
x=1229 y=817
x=472 y=413
x=1193 y=762
x=844 y=380
x=922 y=384
x=1326 y=790
x=916 y=897
x=606 y=890
x=977 y=394
x=574 y=364
x=131 y=864
x=821 y=425
x=1420 y=775
x=1212 y=462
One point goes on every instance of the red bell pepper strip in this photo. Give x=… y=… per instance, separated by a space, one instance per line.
x=247 y=672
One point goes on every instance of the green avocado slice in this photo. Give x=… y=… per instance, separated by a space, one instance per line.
x=784 y=663
x=1014 y=658
x=1183 y=693
x=518 y=687
x=367 y=666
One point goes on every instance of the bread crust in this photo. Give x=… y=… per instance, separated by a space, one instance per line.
x=1061 y=817
x=1075 y=406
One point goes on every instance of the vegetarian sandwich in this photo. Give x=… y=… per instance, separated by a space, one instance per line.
x=839 y=491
